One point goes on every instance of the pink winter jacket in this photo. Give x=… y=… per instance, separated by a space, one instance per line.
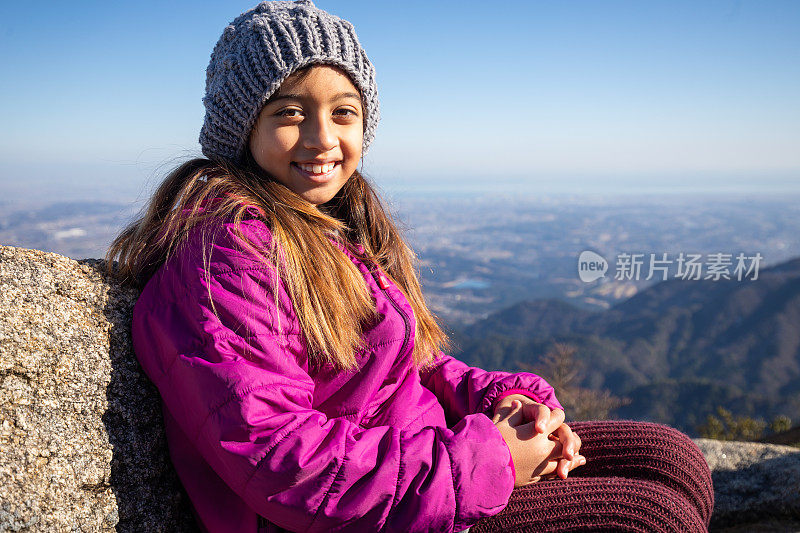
x=261 y=441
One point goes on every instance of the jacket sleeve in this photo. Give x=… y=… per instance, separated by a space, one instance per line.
x=240 y=392
x=464 y=390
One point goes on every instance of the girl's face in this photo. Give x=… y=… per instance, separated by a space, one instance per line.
x=309 y=134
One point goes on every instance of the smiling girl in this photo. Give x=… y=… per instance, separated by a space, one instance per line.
x=303 y=379
x=309 y=134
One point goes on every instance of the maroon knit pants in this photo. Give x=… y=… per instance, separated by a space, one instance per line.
x=638 y=476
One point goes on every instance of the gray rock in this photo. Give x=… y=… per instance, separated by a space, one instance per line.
x=81 y=434
x=82 y=446
x=756 y=486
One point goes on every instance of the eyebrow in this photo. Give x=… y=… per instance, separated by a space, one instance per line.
x=293 y=96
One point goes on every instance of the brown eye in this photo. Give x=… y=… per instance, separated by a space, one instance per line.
x=346 y=112
x=289 y=112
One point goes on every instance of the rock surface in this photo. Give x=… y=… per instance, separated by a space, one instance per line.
x=82 y=447
x=756 y=486
x=81 y=438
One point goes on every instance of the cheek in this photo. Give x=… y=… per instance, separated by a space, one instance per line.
x=355 y=143
x=271 y=146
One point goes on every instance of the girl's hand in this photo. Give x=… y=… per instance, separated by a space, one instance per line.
x=534 y=454
x=570 y=445
x=550 y=423
x=546 y=420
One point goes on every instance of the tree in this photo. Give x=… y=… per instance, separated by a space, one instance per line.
x=727 y=427
x=780 y=424
x=563 y=371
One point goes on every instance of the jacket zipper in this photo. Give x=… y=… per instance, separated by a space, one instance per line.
x=407 y=333
x=383 y=285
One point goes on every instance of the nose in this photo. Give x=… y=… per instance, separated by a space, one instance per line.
x=319 y=133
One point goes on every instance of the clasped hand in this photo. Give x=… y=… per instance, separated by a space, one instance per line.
x=542 y=445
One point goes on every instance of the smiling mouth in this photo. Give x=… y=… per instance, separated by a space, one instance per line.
x=316 y=170
x=317 y=173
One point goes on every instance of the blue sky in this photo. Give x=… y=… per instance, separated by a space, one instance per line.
x=100 y=99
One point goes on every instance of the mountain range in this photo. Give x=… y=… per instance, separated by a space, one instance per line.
x=676 y=350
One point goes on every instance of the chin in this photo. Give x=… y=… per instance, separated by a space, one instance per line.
x=321 y=197
x=318 y=199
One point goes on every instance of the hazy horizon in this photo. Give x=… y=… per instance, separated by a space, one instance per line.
x=132 y=183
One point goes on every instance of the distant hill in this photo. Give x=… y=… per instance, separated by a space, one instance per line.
x=677 y=350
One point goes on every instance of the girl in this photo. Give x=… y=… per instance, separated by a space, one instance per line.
x=304 y=381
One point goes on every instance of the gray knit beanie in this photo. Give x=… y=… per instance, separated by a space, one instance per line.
x=258 y=51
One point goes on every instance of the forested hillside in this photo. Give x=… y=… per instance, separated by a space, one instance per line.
x=677 y=350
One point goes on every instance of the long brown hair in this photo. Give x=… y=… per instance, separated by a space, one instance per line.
x=328 y=292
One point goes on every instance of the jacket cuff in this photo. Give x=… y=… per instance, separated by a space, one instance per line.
x=515 y=384
x=509 y=392
x=483 y=478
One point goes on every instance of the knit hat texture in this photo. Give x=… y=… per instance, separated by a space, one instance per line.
x=258 y=51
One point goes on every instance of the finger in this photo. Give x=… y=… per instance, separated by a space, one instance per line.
x=503 y=413
x=526 y=431
x=512 y=414
x=563 y=468
x=568 y=439
x=515 y=415
x=554 y=459
x=548 y=467
x=500 y=414
x=550 y=419
x=555 y=454
x=540 y=414
x=556 y=420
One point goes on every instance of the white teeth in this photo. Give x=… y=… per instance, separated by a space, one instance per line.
x=317 y=169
